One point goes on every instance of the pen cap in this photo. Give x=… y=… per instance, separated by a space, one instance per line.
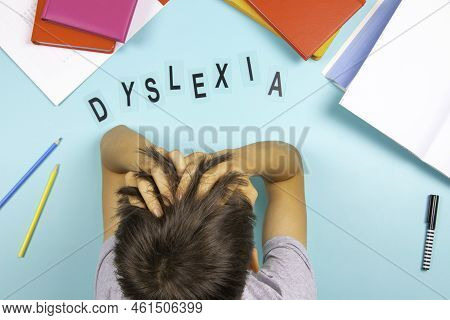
x=432 y=211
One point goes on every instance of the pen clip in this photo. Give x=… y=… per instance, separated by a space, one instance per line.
x=432 y=210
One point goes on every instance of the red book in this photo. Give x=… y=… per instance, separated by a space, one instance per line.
x=56 y=35
x=306 y=24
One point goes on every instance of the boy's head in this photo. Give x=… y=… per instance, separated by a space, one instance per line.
x=198 y=248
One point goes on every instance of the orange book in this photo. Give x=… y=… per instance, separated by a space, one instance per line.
x=56 y=35
x=306 y=24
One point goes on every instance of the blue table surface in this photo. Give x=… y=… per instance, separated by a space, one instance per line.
x=366 y=195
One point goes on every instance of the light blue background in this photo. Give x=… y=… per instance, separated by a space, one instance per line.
x=366 y=195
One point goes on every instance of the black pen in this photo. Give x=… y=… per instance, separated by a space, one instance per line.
x=432 y=215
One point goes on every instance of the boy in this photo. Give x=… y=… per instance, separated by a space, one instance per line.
x=183 y=228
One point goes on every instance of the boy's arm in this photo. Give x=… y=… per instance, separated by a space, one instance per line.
x=111 y=182
x=281 y=168
x=286 y=211
x=119 y=149
x=119 y=155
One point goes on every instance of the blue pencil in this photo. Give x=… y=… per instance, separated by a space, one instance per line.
x=29 y=172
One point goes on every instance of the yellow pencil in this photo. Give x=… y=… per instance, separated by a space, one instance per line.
x=41 y=205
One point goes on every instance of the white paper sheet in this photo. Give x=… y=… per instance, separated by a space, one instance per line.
x=57 y=72
x=403 y=88
x=438 y=155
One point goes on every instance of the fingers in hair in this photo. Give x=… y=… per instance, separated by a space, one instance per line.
x=163 y=184
x=131 y=181
x=192 y=160
x=249 y=190
x=148 y=193
x=178 y=160
x=211 y=176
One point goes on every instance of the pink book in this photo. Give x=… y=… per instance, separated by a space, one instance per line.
x=108 y=18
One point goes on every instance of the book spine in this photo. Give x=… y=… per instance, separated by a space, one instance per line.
x=44 y=11
x=123 y=37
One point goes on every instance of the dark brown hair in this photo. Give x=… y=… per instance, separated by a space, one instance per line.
x=199 y=248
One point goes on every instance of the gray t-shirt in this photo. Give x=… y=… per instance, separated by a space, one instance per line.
x=285 y=274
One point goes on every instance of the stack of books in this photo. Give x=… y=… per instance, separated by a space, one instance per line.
x=83 y=24
x=88 y=29
x=307 y=26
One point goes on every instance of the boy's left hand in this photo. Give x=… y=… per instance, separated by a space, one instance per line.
x=213 y=175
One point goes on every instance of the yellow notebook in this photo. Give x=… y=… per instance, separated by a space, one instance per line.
x=245 y=8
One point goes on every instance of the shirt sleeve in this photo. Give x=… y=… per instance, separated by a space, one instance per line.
x=287 y=265
x=106 y=285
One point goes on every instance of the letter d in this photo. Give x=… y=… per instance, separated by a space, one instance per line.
x=99 y=117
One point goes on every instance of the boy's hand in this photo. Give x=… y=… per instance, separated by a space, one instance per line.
x=147 y=190
x=210 y=177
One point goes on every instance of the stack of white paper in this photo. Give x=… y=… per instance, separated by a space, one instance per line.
x=403 y=88
x=57 y=72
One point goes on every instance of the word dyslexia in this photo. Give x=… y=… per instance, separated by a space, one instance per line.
x=152 y=88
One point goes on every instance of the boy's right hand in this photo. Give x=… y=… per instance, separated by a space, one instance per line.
x=146 y=189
